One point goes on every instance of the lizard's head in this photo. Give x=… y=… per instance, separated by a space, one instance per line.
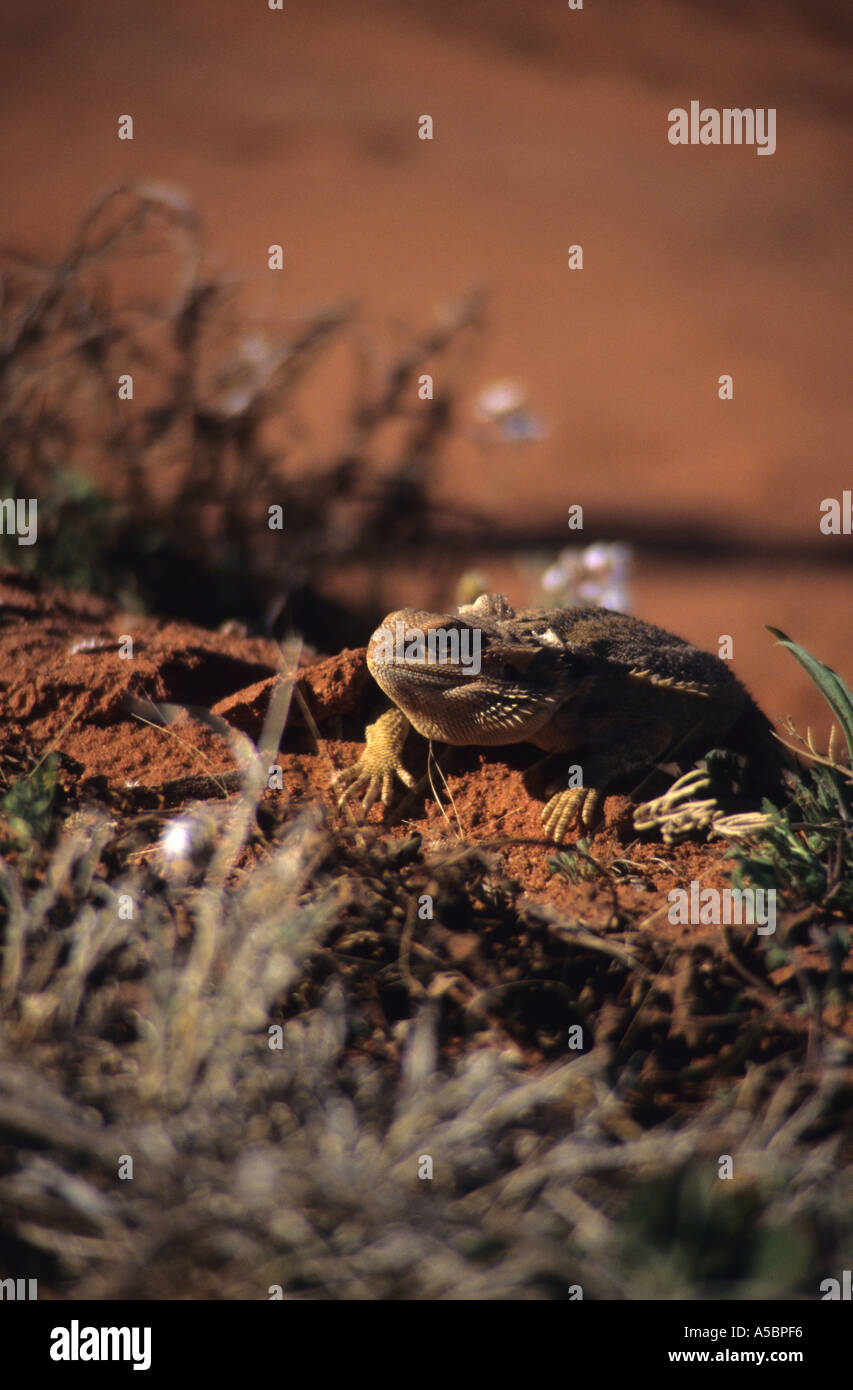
x=468 y=677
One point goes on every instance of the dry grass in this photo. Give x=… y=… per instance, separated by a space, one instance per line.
x=256 y=1166
x=164 y=498
x=147 y=1034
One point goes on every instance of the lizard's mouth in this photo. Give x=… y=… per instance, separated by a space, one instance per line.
x=445 y=657
x=397 y=678
x=431 y=670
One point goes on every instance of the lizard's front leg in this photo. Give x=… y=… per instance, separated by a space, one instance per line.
x=637 y=747
x=380 y=763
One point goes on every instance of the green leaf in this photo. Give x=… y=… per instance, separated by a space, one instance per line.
x=828 y=682
x=28 y=801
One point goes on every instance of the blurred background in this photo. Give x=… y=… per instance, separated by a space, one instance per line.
x=404 y=257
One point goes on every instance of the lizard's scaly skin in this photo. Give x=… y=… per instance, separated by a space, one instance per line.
x=616 y=693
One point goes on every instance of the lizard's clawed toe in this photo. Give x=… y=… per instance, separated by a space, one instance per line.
x=374 y=772
x=580 y=803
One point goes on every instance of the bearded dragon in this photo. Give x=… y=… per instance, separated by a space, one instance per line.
x=616 y=694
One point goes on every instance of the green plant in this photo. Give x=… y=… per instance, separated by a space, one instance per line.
x=576 y=863
x=26 y=808
x=805 y=852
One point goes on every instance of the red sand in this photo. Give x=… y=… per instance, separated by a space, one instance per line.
x=550 y=129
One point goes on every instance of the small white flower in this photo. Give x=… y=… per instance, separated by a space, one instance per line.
x=597 y=574
x=597 y=557
x=614 y=597
x=500 y=399
x=589 y=589
x=554 y=578
x=176 y=842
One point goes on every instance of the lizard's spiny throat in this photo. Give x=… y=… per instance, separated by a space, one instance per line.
x=478 y=711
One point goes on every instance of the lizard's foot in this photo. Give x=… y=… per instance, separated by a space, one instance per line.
x=580 y=804
x=379 y=764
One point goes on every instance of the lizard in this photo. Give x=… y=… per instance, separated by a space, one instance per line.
x=617 y=693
